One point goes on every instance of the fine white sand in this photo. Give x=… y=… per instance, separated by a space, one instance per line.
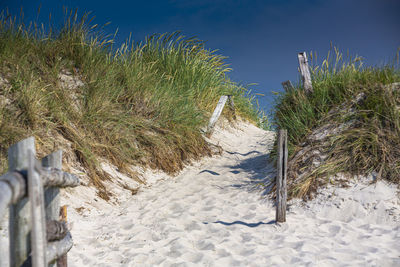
x=215 y=213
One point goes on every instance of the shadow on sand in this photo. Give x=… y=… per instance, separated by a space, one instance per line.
x=211 y=172
x=259 y=170
x=243 y=223
x=243 y=154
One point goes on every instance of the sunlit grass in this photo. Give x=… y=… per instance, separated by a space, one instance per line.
x=372 y=145
x=142 y=103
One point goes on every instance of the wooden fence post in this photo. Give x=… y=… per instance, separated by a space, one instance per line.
x=52 y=194
x=216 y=114
x=305 y=72
x=288 y=86
x=6 y=193
x=20 y=217
x=281 y=193
x=36 y=198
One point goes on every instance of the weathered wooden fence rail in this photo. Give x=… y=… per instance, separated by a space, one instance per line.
x=31 y=192
x=218 y=110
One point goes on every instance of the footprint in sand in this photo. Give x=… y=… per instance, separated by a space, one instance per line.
x=331 y=230
x=334 y=229
x=174 y=253
x=192 y=257
x=209 y=208
x=127 y=225
x=205 y=245
x=246 y=237
x=192 y=226
x=223 y=253
x=249 y=216
x=246 y=252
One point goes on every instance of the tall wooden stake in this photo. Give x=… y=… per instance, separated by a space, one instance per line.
x=36 y=198
x=281 y=191
x=52 y=194
x=20 y=217
x=305 y=72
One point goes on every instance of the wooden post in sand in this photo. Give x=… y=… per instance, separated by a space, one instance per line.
x=52 y=194
x=20 y=217
x=281 y=190
x=36 y=198
x=305 y=72
x=216 y=114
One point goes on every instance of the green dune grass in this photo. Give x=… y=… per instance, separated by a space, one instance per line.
x=371 y=145
x=142 y=103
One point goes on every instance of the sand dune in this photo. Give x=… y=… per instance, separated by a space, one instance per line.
x=215 y=213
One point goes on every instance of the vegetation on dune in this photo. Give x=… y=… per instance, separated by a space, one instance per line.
x=350 y=124
x=143 y=103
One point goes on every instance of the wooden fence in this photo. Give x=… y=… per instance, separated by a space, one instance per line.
x=31 y=191
x=281 y=183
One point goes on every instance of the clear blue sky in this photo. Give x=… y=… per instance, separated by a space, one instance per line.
x=261 y=38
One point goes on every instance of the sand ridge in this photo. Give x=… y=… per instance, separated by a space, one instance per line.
x=215 y=214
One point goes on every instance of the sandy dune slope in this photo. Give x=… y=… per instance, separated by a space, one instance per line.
x=215 y=213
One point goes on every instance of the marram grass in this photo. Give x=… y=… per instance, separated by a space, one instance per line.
x=143 y=103
x=370 y=145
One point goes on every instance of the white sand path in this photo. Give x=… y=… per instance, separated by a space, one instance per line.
x=213 y=214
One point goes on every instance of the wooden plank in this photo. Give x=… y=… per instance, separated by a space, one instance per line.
x=305 y=72
x=55 y=230
x=288 y=86
x=20 y=219
x=217 y=112
x=281 y=190
x=63 y=260
x=6 y=195
x=12 y=188
x=52 y=194
x=36 y=198
x=59 y=249
x=232 y=106
x=15 y=182
x=54 y=177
